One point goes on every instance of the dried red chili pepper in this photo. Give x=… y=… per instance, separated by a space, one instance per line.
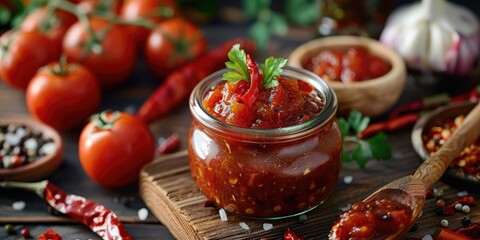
x=98 y=218
x=169 y=145
x=389 y=125
x=290 y=235
x=473 y=230
x=465 y=200
x=50 y=234
x=255 y=83
x=446 y=234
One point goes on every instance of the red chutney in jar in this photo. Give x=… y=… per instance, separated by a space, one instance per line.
x=279 y=157
x=372 y=220
x=353 y=65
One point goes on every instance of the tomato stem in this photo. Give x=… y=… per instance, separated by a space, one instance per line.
x=102 y=122
x=61 y=68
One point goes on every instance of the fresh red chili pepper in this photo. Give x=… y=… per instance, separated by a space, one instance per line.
x=389 y=125
x=472 y=230
x=446 y=234
x=50 y=234
x=413 y=106
x=98 y=218
x=290 y=235
x=178 y=85
x=170 y=144
x=255 y=83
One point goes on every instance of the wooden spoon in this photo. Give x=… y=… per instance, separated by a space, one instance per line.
x=411 y=190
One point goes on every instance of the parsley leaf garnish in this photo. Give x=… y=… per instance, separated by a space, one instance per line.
x=237 y=63
x=376 y=147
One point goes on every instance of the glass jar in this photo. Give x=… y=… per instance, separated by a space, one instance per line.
x=265 y=173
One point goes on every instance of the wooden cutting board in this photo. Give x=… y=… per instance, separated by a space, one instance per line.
x=171 y=194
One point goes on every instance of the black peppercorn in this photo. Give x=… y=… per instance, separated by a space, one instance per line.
x=10 y=229
x=439 y=210
x=466 y=221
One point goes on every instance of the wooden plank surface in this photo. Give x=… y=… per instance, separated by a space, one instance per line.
x=169 y=191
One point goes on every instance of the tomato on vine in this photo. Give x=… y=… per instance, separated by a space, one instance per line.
x=113 y=147
x=155 y=11
x=100 y=6
x=63 y=95
x=103 y=47
x=21 y=55
x=172 y=44
x=53 y=23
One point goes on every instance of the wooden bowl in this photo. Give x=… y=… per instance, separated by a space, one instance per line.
x=42 y=167
x=457 y=179
x=372 y=97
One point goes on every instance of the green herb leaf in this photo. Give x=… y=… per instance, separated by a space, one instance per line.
x=302 y=12
x=362 y=153
x=357 y=122
x=238 y=63
x=254 y=7
x=271 y=70
x=344 y=126
x=375 y=147
x=260 y=33
x=379 y=146
x=279 y=24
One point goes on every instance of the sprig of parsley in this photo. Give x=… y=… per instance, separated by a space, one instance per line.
x=271 y=69
x=375 y=147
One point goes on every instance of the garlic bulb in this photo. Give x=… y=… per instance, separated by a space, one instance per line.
x=434 y=35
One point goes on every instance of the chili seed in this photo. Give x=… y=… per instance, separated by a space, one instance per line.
x=466 y=221
x=25 y=233
x=10 y=229
x=444 y=223
x=466 y=209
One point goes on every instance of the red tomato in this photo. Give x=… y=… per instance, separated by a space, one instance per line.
x=53 y=26
x=63 y=100
x=155 y=11
x=172 y=44
x=114 y=147
x=21 y=55
x=111 y=58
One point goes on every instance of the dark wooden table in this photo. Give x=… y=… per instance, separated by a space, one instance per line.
x=71 y=177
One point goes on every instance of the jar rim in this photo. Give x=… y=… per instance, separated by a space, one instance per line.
x=285 y=133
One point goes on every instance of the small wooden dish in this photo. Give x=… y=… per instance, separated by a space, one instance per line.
x=457 y=179
x=372 y=97
x=40 y=168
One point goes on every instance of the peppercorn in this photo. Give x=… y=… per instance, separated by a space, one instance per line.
x=10 y=229
x=466 y=209
x=466 y=221
x=441 y=203
x=444 y=223
x=25 y=233
x=458 y=207
x=439 y=210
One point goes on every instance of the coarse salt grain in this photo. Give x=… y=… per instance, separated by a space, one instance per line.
x=462 y=194
x=18 y=205
x=267 y=226
x=223 y=215
x=244 y=226
x=427 y=237
x=142 y=214
x=48 y=148
x=346 y=208
x=348 y=179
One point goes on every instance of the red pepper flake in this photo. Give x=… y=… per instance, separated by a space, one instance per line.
x=170 y=144
x=209 y=203
x=290 y=235
x=50 y=234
